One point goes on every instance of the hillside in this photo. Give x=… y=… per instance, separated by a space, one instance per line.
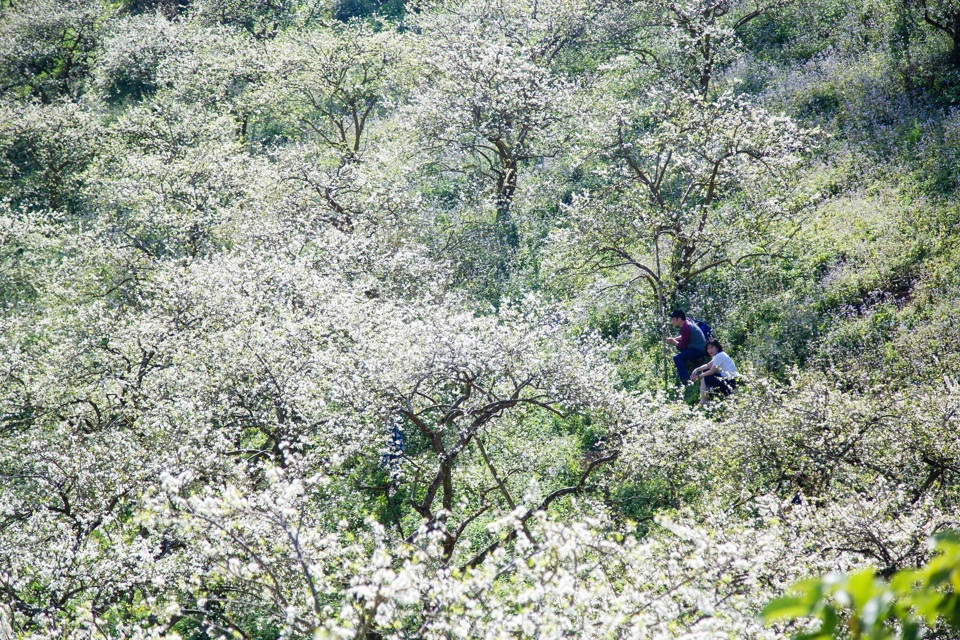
x=346 y=318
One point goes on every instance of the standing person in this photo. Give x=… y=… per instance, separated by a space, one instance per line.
x=690 y=343
x=720 y=373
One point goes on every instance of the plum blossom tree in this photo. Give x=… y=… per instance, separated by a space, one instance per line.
x=695 y=175
x=195 y=179
x=44 y=151
x=335 y=82
x=695 y=187
x=48 y=47
x=132 y=53
x=701 y=38
x=572 y=580
x=218 y=67
x=494 y=101
x=327 y=91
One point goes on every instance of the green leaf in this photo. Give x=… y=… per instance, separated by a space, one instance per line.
x=787 y=608
x=830 y=621
x=911 y=630
x=861 y=587
x=902 y=582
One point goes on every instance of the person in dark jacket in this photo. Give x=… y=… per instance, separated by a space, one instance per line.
x=691 y=344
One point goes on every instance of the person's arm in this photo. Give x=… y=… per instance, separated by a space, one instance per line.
x=684 y=340
x=706 y=370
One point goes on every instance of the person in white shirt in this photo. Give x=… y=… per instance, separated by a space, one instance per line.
x=719 y=374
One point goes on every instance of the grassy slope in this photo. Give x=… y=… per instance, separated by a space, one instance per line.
x=877 y=257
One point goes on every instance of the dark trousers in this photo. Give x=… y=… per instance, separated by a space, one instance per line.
x=717 y=384
x=687 y=357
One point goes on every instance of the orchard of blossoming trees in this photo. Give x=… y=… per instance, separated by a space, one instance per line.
x=344 y=318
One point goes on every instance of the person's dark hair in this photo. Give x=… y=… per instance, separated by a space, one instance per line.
x=679 y=314
x=716 y=344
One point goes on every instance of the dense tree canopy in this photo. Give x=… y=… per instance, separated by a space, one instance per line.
x=344 y=318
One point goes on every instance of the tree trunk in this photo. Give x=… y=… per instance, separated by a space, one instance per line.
x=506 y=189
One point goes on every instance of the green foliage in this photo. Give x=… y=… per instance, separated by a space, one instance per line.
x=797 y=32
x=861 y=605
x=639 y=503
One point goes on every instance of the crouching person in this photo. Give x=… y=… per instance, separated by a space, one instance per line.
x=718 y=375
x=690 y=344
